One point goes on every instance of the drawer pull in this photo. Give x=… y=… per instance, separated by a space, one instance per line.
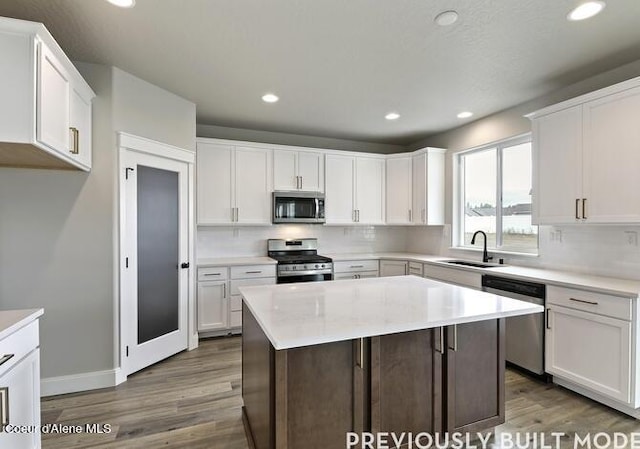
x=592 y=303
x=4 y=407
x=547 y=313
x=213 y=274
x=253 y=272
x=356 y=266
x=6 y=358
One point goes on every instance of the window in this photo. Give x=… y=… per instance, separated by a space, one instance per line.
x=495 y=196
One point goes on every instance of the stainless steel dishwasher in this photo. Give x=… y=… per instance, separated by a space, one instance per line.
x=524 y=335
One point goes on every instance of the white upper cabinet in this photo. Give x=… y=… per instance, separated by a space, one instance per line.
x=415 y=188
x=45 y=113
x=586 y=154
x=399 y=190
x=354 y=190
x=233 y=184
x=340 y=188
x=428 y=187
x=370 y=190
x=298 y=170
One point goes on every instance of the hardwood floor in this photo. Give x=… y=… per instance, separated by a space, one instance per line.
x=193 y=400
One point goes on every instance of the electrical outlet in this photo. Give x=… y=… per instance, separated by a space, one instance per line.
x=632 y=238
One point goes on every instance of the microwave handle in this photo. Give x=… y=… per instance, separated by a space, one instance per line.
x=317 y=208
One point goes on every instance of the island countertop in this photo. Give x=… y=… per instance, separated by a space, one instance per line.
x=297 y=315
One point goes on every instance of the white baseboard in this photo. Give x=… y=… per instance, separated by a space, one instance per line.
x=73 y=383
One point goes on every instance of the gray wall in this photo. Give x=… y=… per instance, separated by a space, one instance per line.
x=58 y=229
x=222 y=132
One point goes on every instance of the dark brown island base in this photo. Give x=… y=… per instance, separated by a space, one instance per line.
x=434 y=380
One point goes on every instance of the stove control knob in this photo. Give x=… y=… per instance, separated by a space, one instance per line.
x=322 y=265
x=317 y=265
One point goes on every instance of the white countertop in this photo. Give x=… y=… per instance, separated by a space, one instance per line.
x=620 y=287
x=296 y=315
x=12 y=320
x=232 y=261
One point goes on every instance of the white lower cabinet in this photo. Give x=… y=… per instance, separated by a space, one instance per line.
x=394 y=268
x=213 y=306
x=355 y=269
x=220 y=302
x=20 y=388
x=590 y=342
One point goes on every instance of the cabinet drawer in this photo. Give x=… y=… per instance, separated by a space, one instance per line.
x=212 y=274
x=235 y=318
x=18 y=344
x=460 y=277
x=415 y=268
x=235 y=303
x=253 y=271
x=249 y=282
x=358 y=275
x=351 y=266
x=602 y=304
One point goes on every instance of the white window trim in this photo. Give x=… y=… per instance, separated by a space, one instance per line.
x=457 y=238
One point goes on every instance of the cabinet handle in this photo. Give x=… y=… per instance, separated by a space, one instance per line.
x=301 y=182
x=356 y=266
x=4 y=408
x=547 y=312
x=439 y=346
x=410 y=215
x=224 y=290
x=584 y=208
x=361 y=353
x=577 y=208
x=592 y=303
x=358 y=215
x=5 y=358
x=253 y=272
x=75 y=139
x=353 y=215
x=423 y=216
x=455 y=337
x=212 y=274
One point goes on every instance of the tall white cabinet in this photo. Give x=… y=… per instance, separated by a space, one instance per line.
x=355 y=189
x=399 y=190
x=45 y=112
x=586 y=154
x=233 y=184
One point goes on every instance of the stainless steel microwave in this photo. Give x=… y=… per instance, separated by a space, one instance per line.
x=298 y=207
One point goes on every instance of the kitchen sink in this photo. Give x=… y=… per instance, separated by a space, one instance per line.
x=468 y=263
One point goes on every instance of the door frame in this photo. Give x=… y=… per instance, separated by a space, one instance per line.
x=130 y=143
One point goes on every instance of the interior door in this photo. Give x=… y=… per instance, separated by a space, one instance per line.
x=155 y=278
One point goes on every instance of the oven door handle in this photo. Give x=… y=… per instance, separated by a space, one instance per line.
x=303 y=273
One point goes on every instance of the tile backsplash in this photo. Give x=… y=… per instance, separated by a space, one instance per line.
x=227 y=241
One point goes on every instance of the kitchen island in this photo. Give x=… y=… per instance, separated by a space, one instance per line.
x=396 y=354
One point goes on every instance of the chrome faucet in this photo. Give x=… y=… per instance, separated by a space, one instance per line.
x=485 y=254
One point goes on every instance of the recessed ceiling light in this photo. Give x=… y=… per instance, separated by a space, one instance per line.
x=392 y=116
x=586 y=10
x=123 y=3
x=465 y=114
x=446 y=18
x=270 y=98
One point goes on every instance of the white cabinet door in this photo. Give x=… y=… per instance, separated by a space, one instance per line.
x=22 y=385
x=418 y=189
x=213 y=306
x=557 y=176
x=252 y=185
x=611 y=157
x=591 y=350
x=370 y=190
x=339 y=184
x=399 y=194
x=393 y=268
x=285 y=176
x=53 y=96
x=311 y=171
x=214 y=184
x=80 y=125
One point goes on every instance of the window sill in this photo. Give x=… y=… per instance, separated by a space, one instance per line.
x=493 y=251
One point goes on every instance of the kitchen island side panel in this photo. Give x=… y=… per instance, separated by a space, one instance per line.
x=258 y=383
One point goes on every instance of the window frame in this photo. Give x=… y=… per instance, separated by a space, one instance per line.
x=459 y=210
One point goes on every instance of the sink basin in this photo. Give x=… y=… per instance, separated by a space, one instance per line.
x=467 y=263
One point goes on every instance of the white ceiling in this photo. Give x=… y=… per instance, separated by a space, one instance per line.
x=340 y=65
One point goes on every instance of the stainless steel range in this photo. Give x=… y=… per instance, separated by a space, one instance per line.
x=298 y=261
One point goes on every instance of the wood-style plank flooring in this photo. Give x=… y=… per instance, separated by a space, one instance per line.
x=193 y=400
